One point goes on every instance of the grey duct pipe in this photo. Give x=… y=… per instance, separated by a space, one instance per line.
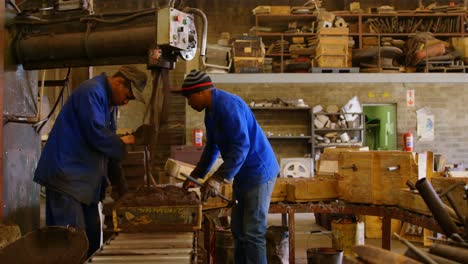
x=436 y=206
x=129 y=45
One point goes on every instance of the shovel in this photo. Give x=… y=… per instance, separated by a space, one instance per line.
x=230 y=204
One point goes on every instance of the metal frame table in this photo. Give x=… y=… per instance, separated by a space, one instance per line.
x=339 y=207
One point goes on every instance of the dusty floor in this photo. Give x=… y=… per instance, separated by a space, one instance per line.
x=305 y=223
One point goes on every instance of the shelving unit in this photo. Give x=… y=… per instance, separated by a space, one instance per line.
x=289 y=129
x=360 y=28
x=355 y=132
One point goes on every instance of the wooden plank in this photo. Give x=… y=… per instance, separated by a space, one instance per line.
x=305 y=190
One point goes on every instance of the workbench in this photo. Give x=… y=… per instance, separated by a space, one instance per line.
x=339 y=207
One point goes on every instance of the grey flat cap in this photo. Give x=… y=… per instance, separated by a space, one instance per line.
x=138 y=80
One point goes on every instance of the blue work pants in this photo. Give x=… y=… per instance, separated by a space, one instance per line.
x=64 y=210
x=249 y=224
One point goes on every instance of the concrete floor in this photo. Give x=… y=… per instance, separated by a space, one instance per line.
x=305 y=223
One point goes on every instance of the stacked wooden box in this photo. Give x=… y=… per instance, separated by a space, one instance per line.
x=298 y=190
x=332 y=48
x=375 y=177
x=249 y=53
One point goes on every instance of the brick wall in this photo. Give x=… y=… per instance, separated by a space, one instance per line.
x=446 y=101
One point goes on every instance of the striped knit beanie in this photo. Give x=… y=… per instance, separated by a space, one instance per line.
x=196 y=81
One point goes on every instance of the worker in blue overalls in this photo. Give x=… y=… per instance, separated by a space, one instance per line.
x=73 y=165
x=249 y=161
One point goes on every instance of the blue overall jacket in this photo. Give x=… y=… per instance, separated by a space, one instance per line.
x=75 y=157
x=232 y=129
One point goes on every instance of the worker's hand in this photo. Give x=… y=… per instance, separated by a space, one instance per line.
x=211 y=187
x=188 y=184
x=128 y=139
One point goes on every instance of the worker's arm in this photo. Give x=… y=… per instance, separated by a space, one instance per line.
x=234 y=126
x=91 y=113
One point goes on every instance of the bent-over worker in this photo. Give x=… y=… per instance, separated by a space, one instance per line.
x=74 y=163
x=249 y=161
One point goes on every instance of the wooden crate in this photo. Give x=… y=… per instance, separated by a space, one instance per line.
x=370 y=181
x=333 y=40
x=331 y=49
x=412 y=201
x=248 y=47
x=248 y=64
x=441 y=184
x=175 y=168
x=306 y=190
x=332 y=61
x=279 y=191
x=280 y=10
x=461 y=45
x=337 y=31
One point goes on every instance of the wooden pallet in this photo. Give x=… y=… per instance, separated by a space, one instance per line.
x=335 y=70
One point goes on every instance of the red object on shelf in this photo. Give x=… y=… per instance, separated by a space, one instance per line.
x=408 y=141
x=197 y=137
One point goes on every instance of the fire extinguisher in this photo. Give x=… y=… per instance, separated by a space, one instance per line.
x=197 y=137
x=408 y=141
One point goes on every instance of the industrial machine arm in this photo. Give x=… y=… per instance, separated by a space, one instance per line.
x=66 y=40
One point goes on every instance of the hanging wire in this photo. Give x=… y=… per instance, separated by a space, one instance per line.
x=39 y=125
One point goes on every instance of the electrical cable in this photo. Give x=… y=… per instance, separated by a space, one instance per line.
x=39 y=125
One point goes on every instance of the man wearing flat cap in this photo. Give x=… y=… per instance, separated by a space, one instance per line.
x=249 y=161
x=73 y=165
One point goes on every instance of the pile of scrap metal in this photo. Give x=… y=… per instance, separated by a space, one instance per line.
x=452 y=249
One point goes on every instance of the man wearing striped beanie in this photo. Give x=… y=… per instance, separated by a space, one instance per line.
x=249 y=162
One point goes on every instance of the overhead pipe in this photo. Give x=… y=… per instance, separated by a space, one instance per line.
x=436 y=206
x=105 y=44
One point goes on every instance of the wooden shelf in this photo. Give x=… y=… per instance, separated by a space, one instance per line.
x=338 y=129
x=410 y=34
x=326 y=145
x=293 y=108
x=279 y=34
x=289 y=137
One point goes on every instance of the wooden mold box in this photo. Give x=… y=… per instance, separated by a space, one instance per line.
x=161 y=208
x=375 y=177
x=309 y=190
x=279 y=191
x=412 y=201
